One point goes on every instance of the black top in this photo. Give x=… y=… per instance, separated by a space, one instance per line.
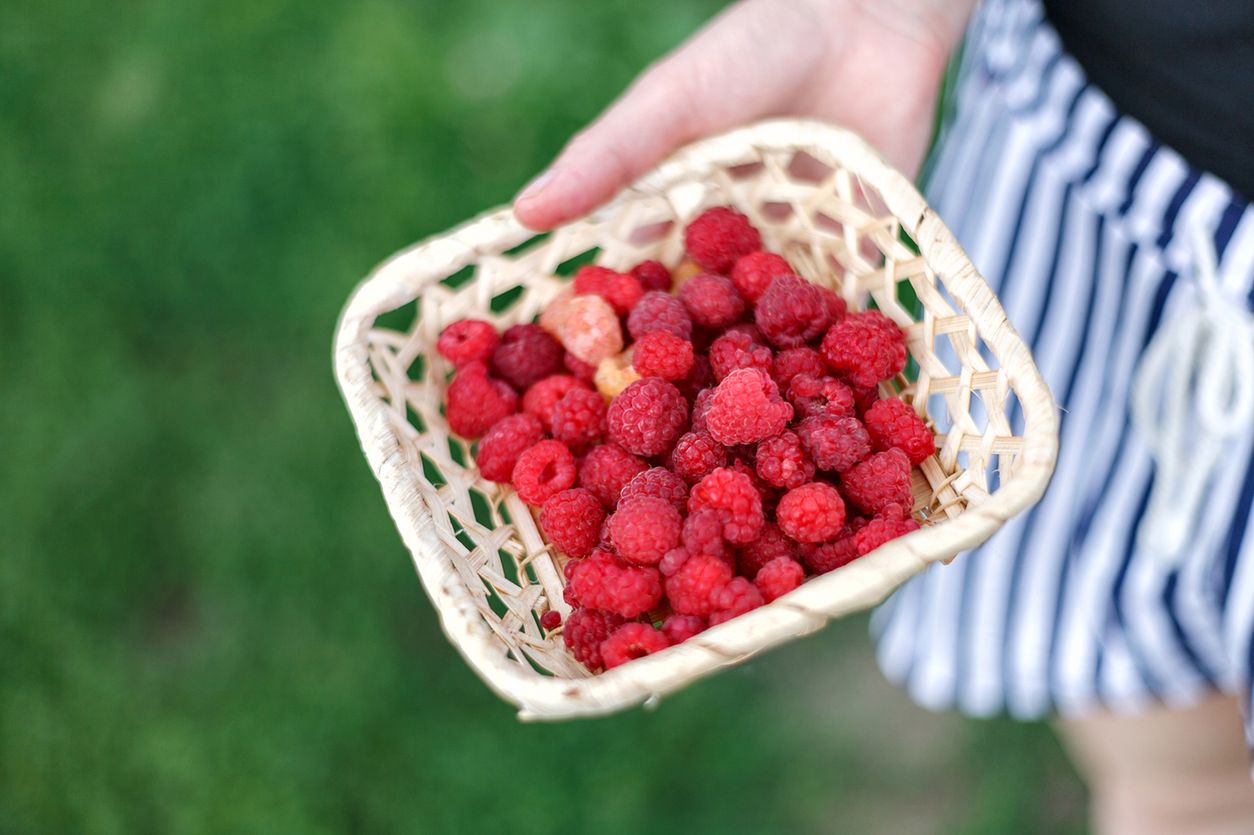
x=1185 y=68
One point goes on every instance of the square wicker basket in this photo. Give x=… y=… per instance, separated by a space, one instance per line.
x=839 y=213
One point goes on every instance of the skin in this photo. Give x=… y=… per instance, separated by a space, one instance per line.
x=875 y=66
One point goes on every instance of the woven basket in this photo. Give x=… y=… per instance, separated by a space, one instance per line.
x=832 y=207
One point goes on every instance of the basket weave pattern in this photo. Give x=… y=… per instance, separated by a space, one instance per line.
x=836 y=211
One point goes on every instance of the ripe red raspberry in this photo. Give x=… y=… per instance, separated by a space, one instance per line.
x=701 y=408
x=679 y=628
x=733 y=495
x=778 y=577
x=773 y=544
x=631 y=641
x=746 y=407
x=835 y=444
x=673 y=561
x=579 y=419
x=830 y=556
x=711 y=300
x=691 y=588
x=734 y=599
x=768 y=494
x=735 y=350
x=696 y=455
x=754 y=272
x=504 y=442
x=662 y=354
x=584 y=632
x=718 y=237
x=811 y=513
x=865 y=398
x=606 y=469
x=836 y=307
x=540 y=399
x=881 y=529
x=658 y=311
x=794 y=361
x=585 y=371
x=643 y=529
x=791 y=312
x=621 y=290
x=652 y=275
x=703 y=533
x=526 y=355
x=660 y=483
x=470 y=340
x=865 y=348
x=894 y=423
x=782 y=462
x=542 y=471
x=647 y=417
x=476 y=401
x=604 y=582
x=551 y=619
x=571 y=520
x=882 y=479
x=822 y=395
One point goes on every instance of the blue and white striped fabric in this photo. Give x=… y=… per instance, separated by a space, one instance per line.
x=1077 y=217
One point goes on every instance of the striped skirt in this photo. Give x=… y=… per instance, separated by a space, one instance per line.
x=1082 y=222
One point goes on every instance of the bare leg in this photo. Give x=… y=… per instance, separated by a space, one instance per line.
x=1166 y=772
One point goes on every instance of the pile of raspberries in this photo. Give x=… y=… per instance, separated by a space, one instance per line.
x=696 y=443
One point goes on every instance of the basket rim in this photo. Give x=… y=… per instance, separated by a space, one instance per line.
x=858 y=585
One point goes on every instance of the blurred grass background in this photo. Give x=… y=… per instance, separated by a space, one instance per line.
x=207 y=620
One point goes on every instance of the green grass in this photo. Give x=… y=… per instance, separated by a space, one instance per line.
x=207 y=620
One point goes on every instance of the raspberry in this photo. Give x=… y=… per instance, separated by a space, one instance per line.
x=754 y=272
x=631 y=641
x=733 y=495
x=504 y=442
x=658 y=311
x=893 y=423
x=881 y=529
x=794 y=361
x=821 y=395
x=652 y=275
x=865 y=348
x=718 y=237
x=679 y=628
x=584 y=632
x=621 y=290
x=590 y=329
x=579 y=419
x=712 y=301
x=659 y=483
x=691 y=588
x=571 y=520
x=778 y=577
x=696 y=455
x=526 y=355
x=540 y=399
x=791 y=312
x=700 y=408
x=735 y=598
x=830 y=555
x=551 y=619
x=882 y=479
x=703 y=533
x=603 y=582
x=781 y=462
x=542 y=471
x=835 y=444
x=865 y=398
x=585 y=371
x=476 y=401
x=605 y=471
x=673 y=561
x=662 y=354
x=698 y=377
x=771 y=545
x=836 y=307
x=746 y=407
x=470 y=340
x=811 y=513
x=647 y=417
x=735 y=350
x=643 y=529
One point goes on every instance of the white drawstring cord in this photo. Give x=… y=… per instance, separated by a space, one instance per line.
x=1193 y=391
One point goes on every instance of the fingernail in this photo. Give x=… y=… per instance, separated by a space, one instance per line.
x=537 y=185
